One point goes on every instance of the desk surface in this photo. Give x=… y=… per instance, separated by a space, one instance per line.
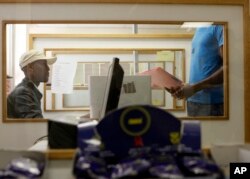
x=59 y=169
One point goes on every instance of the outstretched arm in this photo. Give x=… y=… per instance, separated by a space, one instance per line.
x=188 y=90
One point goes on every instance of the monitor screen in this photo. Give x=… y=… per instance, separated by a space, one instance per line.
x=113 y=87
x=136 y=90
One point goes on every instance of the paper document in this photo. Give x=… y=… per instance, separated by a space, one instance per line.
x=162 y=79
x=62 y=77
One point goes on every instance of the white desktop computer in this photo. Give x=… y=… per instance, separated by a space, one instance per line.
x=135 y=90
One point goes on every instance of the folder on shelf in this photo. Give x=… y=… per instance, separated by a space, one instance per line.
x=162 y=79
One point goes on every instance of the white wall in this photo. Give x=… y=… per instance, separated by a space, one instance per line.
x=21 y=136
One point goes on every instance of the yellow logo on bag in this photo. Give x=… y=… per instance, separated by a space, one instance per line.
x=135 y=121
x=175 y=137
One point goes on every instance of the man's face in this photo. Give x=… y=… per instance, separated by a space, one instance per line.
x=40 y=71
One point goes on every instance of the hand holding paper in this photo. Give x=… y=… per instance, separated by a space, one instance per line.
x=162 y=79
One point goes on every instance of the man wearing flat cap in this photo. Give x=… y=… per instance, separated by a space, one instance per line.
x=25 y=100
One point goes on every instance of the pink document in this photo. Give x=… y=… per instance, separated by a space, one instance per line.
x=162 y=79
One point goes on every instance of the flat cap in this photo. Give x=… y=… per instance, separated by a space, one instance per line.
x=34 y=55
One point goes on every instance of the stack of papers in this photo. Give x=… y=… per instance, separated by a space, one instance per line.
x=162 y=79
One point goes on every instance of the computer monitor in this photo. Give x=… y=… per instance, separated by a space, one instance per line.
x=136 y=90
x=113 y=87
